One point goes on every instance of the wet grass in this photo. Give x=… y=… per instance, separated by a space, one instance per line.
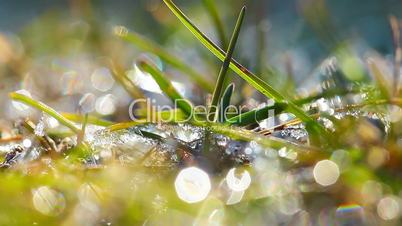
x=360 y=129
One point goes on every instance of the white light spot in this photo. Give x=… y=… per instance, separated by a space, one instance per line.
x=180 y=87
x=87 y=103
x=284 y=117
x=27 y=143
x=105 y=105
x=282 y=152
x=102 y=79
x=48 y=201
x=192 y=185
x=323 y=105
x=248 y=151
x=388 y=208
x=52 y=122
x=238 y=184
x=18 y=105
x=326 y=172
x=145 y=81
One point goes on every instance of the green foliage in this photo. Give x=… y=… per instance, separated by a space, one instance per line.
x=252 y=79
x=222 y=73
x=167 y=87
x=147 y=45
x=43 y=107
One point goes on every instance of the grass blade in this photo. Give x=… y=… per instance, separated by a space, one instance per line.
x=380 y=79
x=252 y=79
x=120 y=76
x=81 y=135
x=165 y=115
x=213 y=11
x=147 y=45
x=396 y=35
x=167 y=87
x=43 y=107
x=91 y=119
x=225 y=102
x=222 y=73
x=126 y=125
x=256 y=115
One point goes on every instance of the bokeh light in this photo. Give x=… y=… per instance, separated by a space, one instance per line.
x=326 y=172
x=192 y=185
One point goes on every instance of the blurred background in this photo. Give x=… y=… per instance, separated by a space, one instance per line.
x=56 y=50
x=66 y=53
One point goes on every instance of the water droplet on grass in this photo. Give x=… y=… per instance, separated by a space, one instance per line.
x=27 y=143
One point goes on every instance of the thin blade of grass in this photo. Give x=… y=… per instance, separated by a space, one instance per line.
x=125 y=125
x=91 y=119
x=222 y=73
x=167 y=87
x=380 y=79
x=256 y=115
x=225 y=102
x=120 y=76
x=252 y=79
x=305 y=153
x=396 y=35
x=81 y=135
x=176 y=114
x=45 y=140
x=147 y=45
x=210 y=5
x=43 y=107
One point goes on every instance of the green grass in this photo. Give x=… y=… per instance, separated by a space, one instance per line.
x=121 y=77
x=167 y=87
x=93 y=120
x=48 y=110
x=146 y=192
x=168 y=58
x=243 y=72
x=225 y=102
x=222 y=73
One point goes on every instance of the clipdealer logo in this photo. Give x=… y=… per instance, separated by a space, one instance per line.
x=147 y=109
